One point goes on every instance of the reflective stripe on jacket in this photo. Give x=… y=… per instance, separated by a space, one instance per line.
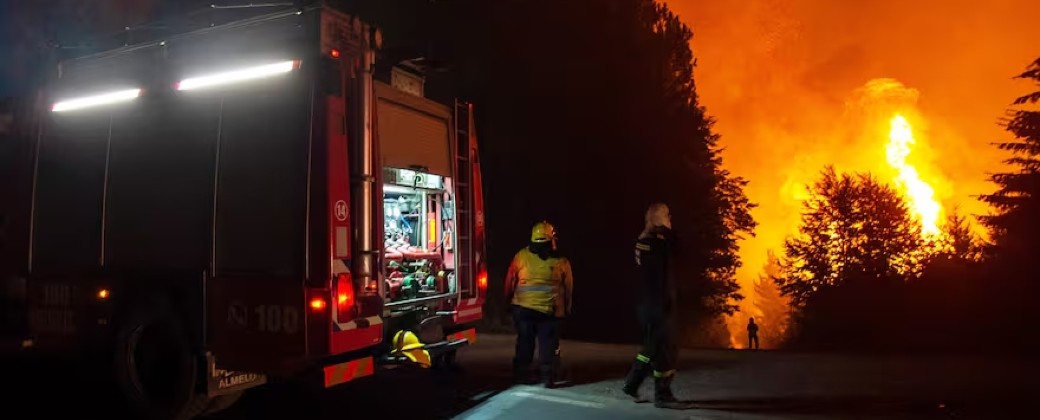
x=545 y=286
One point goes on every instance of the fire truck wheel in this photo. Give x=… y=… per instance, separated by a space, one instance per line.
x=155 y=366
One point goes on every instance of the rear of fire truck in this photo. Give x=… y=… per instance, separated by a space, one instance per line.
x=245 y=200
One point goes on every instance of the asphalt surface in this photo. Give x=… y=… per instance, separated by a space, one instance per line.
x=718 y=384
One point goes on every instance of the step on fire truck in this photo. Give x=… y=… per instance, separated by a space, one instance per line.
x=245 y=200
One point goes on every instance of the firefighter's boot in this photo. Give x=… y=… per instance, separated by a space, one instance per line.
x=636 y=375
x=663 y=397
x=520 y=372
x=550 y=373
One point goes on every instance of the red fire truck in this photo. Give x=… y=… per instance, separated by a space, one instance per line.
x=246 y=200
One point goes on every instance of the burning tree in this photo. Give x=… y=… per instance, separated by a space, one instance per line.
x=772 y=307
x=858 y=245
x=853 y=229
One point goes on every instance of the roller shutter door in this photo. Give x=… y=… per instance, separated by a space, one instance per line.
x=413 y=131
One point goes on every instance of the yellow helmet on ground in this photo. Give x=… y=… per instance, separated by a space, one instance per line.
x=406 y=343
x=543 y=232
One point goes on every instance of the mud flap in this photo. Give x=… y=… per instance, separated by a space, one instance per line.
x=223 y=382
x=256 y=324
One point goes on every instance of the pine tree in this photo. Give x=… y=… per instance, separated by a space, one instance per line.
x=709 y=204
x=1015 y=223
x=959 y=242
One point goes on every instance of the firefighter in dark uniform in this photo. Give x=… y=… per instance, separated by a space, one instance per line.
x=540 y=287
x=654 y=257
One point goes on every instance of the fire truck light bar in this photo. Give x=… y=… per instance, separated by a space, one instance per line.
x=237 y=75
x=96 y=100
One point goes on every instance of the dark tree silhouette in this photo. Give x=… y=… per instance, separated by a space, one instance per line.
x=711 y=207
x=1015 y=223
x=1012 y=273
x=959 y=242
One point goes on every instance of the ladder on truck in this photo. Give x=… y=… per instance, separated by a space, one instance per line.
x=463 y=200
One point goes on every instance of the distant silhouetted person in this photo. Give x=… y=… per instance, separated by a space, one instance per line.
x=752 y=334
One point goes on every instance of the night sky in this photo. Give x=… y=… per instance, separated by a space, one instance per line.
x=26 y=26
x=7 y=86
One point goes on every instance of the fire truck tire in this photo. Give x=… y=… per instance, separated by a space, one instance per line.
x=155 y=367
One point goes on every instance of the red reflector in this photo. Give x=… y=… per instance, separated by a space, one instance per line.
x=334 y=53
x=348 y=371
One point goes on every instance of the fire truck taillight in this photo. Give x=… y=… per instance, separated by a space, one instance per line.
x=482 y=280
x=344 y=297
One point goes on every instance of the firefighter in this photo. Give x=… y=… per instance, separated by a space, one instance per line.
x=752 y=334
x=656 y=311
x=539 y=286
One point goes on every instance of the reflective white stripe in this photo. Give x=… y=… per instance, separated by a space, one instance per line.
x=341 y=241
x=535 y=288
x=561 y=400
x=471 y=311
x=339 y=267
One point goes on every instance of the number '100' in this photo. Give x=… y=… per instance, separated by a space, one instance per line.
x=277 y=319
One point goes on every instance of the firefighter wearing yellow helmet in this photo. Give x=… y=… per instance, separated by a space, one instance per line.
x=540 y=287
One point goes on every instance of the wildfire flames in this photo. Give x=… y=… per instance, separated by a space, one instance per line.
x=919 y=194
x=778 y=76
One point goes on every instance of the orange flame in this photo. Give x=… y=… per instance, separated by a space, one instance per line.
x=919 y=194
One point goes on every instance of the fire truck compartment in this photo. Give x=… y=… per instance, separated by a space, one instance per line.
x=418 y=230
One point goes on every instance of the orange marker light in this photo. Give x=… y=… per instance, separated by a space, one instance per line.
x=102 y=294
x=431 y=231
x=318 y=304
x=334 y=53
x=482 y=281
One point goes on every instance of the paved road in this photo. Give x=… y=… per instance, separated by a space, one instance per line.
x=723 y=384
